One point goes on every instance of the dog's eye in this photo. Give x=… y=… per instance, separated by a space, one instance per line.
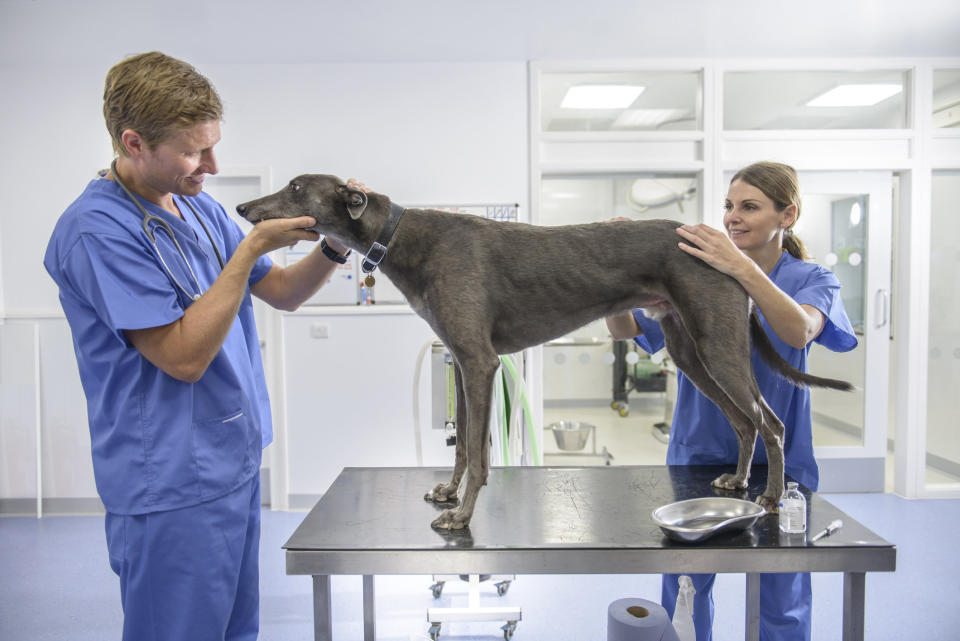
x=294 y=187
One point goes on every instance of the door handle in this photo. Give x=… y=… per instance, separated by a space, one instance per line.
x=881 y=308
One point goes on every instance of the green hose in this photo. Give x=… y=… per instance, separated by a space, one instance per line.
x=503 y=413
x=508 y=365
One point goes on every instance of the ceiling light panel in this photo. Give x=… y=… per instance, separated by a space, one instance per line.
x=855 y=95
x=601 y=96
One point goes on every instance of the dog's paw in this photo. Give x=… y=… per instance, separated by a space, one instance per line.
x=442 y=493
x=453 y=519
x=730 y=482
x=770 y=503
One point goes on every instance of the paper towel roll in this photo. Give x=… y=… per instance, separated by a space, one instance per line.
x=638 y=620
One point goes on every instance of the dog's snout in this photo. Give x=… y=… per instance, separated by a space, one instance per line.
x=242 y=210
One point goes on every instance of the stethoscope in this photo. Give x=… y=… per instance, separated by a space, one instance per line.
x=165 y=226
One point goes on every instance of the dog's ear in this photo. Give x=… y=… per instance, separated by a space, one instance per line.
x=355 y=200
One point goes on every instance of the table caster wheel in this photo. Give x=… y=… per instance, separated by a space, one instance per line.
x=437 y=589
x=502 y=587
x=434 y=631
x=624 y=411
x=508 y=630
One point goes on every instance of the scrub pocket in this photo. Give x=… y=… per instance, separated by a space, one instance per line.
x=226 y=450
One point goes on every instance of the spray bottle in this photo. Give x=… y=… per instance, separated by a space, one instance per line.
x=683 y=612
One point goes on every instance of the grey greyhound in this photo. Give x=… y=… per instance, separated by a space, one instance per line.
x=489 y=288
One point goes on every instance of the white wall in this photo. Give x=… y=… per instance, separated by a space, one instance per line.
x=54 y=141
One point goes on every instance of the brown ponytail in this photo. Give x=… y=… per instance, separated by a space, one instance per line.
x=794 y=245
x=779 y=183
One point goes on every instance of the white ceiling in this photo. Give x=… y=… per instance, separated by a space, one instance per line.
x=303 y=31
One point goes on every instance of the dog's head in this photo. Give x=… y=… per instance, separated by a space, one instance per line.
x=326 y=198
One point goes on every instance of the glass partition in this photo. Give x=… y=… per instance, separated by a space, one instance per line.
x=620 y=101
x=946 y=98
x=834 y=229
x=569 y=200
x=759 y=100
x=624 y=396
x=943 y=355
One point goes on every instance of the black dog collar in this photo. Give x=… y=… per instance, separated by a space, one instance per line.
x=378 y=249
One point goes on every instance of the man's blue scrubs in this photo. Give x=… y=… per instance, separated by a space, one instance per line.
x=701 y=435
x=176 y=464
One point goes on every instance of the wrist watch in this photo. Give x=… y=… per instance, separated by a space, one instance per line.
x=332 y=255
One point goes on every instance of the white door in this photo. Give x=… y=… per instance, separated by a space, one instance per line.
x=847 y=222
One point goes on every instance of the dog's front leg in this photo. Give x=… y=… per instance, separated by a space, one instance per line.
x=477 y=384
x=447 y=492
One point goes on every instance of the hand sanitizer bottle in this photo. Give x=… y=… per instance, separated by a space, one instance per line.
x=793 y=510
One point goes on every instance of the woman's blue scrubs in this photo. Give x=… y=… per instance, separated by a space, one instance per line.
x=701 y=435
x=176 y=464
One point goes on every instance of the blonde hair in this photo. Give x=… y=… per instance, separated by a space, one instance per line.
x=779 y=183
x=154 y=95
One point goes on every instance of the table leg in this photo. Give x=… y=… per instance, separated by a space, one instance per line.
x=322 y=611
x=854 y=584
x=369 y=613
x=752 y=632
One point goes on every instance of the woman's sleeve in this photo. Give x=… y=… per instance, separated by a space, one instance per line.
x=822 y=291
x=651 y=338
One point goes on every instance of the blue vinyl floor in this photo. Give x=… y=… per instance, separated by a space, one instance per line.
x=55 y=584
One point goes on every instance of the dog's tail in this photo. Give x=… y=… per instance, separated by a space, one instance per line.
x=769 y=354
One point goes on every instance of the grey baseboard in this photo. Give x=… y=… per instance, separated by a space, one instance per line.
x=300 y=502
x=852 y=474
x=53 y=506
x=92 y=505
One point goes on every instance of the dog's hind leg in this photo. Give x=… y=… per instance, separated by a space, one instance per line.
x=772 y=434
x=447 y=492
x=684 y=352
x=727 y=359
x=478 y=372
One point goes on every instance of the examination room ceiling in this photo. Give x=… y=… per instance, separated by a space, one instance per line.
x=305 y=31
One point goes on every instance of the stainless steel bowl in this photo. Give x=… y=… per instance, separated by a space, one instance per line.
x=697 y=519
x=570 y=435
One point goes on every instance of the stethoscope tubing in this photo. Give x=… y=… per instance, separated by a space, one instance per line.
x=165 y=226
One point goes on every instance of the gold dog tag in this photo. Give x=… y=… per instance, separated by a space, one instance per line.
x=369 y=281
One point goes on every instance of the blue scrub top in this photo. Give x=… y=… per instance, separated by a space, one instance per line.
x=158 y=443
x=701 y=435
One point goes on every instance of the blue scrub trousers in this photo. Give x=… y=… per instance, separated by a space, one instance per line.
x=785 y=605
x=190 y=574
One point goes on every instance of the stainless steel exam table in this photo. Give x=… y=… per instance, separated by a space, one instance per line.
x=563 y=520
